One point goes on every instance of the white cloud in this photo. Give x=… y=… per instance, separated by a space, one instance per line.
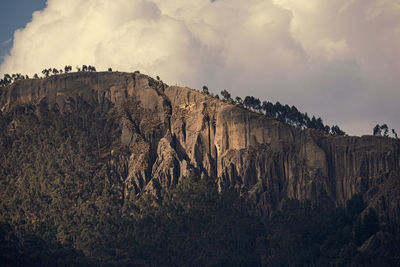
x=338 y=59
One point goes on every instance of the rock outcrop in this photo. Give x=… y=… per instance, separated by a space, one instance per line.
x=172 y=132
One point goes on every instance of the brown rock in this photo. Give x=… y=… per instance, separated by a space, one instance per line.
x=174 y=132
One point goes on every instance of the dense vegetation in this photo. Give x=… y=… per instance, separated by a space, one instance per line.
x=62 y=202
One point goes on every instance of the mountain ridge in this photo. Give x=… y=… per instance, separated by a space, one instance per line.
x=174 y=131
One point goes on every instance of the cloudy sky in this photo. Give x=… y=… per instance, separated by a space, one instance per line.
x=336 y=59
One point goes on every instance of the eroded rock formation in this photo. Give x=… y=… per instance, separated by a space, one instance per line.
x=172 y=131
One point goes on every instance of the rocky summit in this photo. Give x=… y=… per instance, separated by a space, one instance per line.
x=157 y=135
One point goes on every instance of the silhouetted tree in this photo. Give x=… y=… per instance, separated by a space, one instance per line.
x=320 y=124
x=385 y=130
x=226 y=95
x=247 y=102
x=19 y=76
x=394 y=133
x=91 y=68
x=110 y=69
x=252 y=103
x=257 y=104
x=312 y=123
x=377 y=130
x=337 y=131
x=46 y=72
x=67 y=69
x=205 y=89
x=7 y=79
x=269 y=109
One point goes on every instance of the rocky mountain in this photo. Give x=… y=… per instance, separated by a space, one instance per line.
x=79 y=152
x=173 y=131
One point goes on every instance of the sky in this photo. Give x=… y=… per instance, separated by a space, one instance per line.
x=339 y=60
x=14 y=15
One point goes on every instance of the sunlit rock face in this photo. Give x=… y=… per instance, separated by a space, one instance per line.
x=169 y=132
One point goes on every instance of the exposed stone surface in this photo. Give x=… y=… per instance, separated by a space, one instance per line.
x=174 y=131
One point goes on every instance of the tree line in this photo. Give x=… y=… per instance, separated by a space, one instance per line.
x=10 y=78
x=383 y=130
x=289 y=115
x=67 y=69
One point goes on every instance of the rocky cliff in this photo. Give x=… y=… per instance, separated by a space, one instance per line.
x=172 y=132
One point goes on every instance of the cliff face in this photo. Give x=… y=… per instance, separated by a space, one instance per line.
x=171 y=132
